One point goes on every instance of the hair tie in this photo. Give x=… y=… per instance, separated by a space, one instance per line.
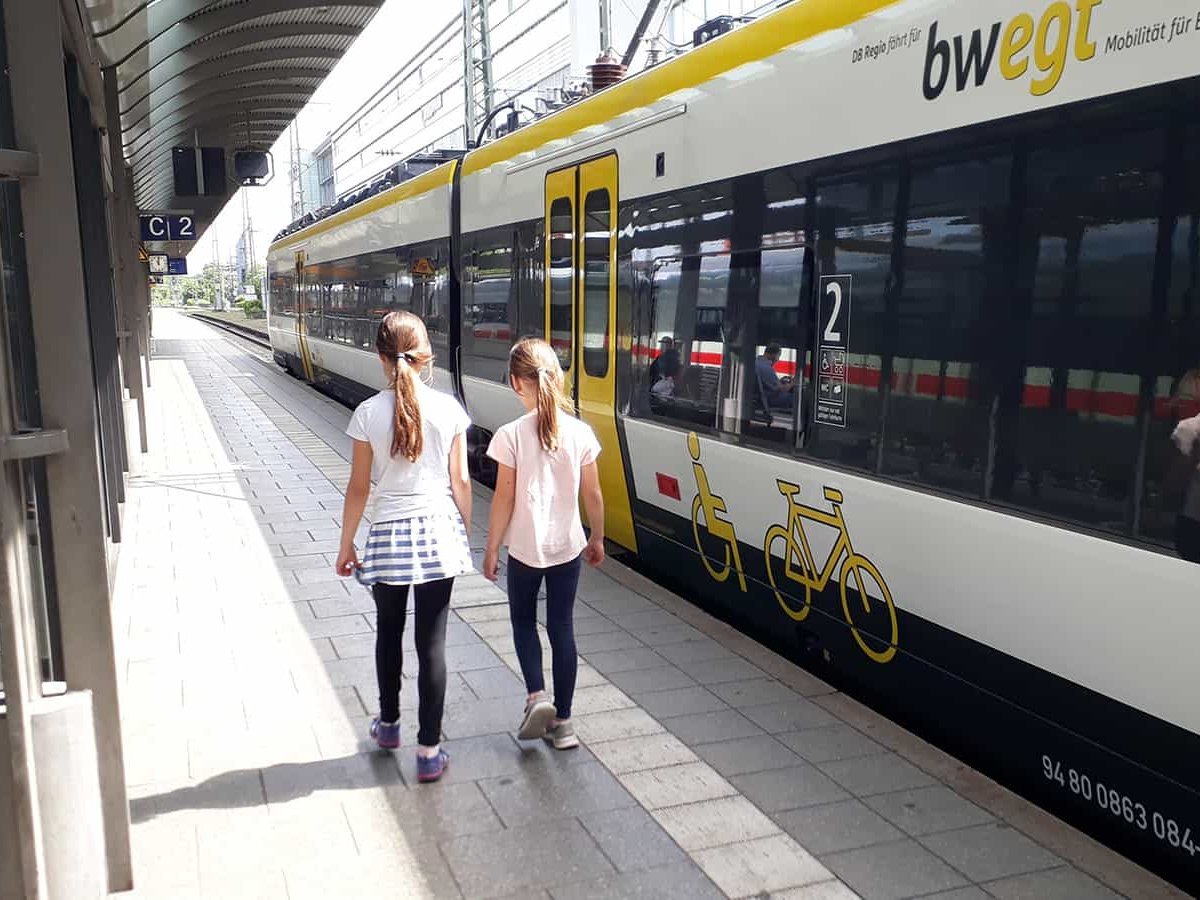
x=542 y=371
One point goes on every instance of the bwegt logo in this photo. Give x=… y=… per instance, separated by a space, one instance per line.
x=970 y=59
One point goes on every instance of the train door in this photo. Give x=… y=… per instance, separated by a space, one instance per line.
x=581 y=317
x=302 y=304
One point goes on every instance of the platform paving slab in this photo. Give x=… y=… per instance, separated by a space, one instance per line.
x=710 y=766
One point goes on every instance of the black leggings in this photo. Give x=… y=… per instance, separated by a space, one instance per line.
x=524 y=582
x=391 y=609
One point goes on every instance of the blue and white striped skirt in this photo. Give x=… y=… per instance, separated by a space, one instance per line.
x=415 y=551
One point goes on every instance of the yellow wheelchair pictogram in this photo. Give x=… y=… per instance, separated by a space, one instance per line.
x=799 y=566
x=713 y=509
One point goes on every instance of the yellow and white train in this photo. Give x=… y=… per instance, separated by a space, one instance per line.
x=972 y=233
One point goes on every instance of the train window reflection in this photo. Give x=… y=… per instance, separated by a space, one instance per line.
x=489 y=304
x=935 y=336
x=1170 y=508
x=1089 y=243
x=687 y=311
x=766 y=358
x=855 y=225
x=597 y=268
x=562 y=273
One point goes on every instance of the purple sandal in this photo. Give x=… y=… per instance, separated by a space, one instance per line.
x=386 y=736
x=433 y=767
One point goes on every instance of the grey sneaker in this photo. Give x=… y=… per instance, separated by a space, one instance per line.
x=539 y=712
x=562 y=736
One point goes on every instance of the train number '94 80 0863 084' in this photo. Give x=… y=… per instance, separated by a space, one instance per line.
x=1122 y=806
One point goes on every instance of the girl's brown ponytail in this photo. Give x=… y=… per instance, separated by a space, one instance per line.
x=407 y=436
x=535 y=363
x=403 y=341
x=548 y=399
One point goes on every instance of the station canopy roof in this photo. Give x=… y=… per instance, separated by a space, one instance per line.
x=214 y=73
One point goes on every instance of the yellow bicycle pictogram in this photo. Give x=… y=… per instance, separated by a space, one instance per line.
x=799 y=566
x=713 y=507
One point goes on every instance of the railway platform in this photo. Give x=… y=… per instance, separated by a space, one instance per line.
x=710 y=766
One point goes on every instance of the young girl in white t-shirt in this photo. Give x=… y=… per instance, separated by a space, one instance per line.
x=545 y=458
x=412 y=440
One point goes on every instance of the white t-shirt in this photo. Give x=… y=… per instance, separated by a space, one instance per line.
x=545 y=529
x=406 y=489
x=1185 y=436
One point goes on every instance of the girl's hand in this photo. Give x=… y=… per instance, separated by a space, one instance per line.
x=593 y=553
x=347 y=561
x=491 y=565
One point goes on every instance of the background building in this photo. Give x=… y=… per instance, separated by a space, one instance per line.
x=305 y=176
x=535 y=53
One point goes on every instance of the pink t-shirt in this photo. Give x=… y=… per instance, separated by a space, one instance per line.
x=545 y=529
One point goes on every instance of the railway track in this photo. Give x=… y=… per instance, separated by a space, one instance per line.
x=243 y=331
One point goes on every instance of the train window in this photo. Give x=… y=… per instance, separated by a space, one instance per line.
x=936 y=335
x=282 y=297
x=597 y=271
x=765 y=358
x=1170 y=511
x=335 y=308
x=855 y=217
x=1085 y=286
x=687 y=302
x=490 y=313
x=562 y=275
x=311 y=312
x=429 y=297
x=786 y=221
x=531 y=296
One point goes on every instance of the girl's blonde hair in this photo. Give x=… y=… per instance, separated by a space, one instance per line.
x=534 y=362
x=403 y=340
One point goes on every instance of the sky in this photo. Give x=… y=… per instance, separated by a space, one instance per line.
x=385 y=44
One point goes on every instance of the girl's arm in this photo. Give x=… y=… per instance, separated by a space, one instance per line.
x=593 y=504
x=357 y=492
x=460 y=479
x=501 y=515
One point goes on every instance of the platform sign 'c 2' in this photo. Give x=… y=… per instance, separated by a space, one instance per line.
x=163 y=227
x=833 y=349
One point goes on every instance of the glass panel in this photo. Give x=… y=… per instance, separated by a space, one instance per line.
x=430 y=298
x=782 y=351
x=687 y=312
x=531 y=290
x=1088 y=254
x=854 y=237
x=937 y=424
x=281 y=299
x=562 y=272
x=492 y=306
x=597 y=251
x=759 y=343
x=680 y=245
x=1170 y=511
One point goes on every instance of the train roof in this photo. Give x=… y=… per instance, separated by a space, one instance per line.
x=421 y=184
x=758 y=40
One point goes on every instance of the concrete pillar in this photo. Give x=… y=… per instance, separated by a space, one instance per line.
x=69 y=797
x=127 y=268
x=60 y=326
x=68 y=801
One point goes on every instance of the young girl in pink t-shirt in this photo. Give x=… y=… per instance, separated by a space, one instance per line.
x=547 y=458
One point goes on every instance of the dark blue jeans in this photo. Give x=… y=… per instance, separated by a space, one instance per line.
x=524 y=582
